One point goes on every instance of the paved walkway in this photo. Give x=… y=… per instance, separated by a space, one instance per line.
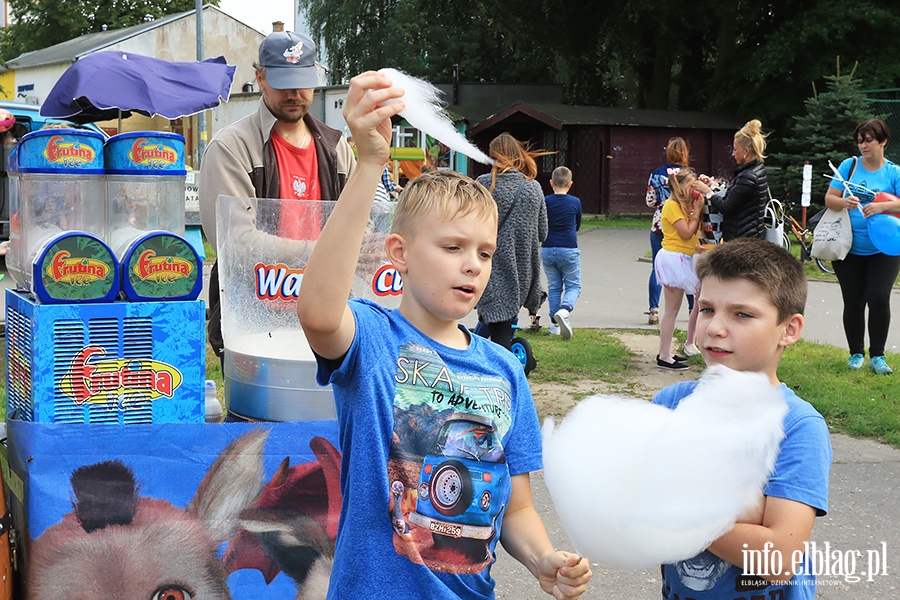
x=614 y=290
x=864 y=511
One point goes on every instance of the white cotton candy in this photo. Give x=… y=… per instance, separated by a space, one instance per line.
x=637 y=485
x=424 y=112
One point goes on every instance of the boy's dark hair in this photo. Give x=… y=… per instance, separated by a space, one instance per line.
x=561 y=177
x=773 y=269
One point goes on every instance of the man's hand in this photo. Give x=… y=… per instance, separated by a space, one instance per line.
x=564 y=575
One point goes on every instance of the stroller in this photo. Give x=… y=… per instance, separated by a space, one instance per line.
x=520 y=347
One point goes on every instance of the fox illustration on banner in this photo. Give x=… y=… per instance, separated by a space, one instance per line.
x=236 y=537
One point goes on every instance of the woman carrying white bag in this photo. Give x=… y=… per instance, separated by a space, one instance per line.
x=866 y=275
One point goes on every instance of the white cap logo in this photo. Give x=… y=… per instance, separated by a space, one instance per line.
x=292 y=54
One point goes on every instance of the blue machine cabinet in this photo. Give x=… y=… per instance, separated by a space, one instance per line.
x=120 y=362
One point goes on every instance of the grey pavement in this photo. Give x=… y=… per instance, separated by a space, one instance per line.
x=864 y=514
x=614 y=290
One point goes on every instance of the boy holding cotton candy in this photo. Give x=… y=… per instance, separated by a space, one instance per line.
x=751 y=303
x=404 y=379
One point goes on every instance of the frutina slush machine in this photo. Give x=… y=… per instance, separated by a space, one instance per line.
x=76 y=354
x=145 y=186
x=58 y=218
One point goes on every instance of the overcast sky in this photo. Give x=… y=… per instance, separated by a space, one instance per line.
x=260 y=14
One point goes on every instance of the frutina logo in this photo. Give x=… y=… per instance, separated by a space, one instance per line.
x=148 y=154
x=161 y=269
x=77 y=271
x=69 y=154
x=91 y=379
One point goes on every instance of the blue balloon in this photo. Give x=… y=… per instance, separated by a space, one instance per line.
x=884 y=231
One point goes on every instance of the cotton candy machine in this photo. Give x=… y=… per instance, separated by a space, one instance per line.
x=58 y=218
x=263 y=245
x=145 y=186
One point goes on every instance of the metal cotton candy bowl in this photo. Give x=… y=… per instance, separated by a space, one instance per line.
x=263 y=246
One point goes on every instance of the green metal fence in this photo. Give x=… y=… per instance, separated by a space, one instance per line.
x=886 y=103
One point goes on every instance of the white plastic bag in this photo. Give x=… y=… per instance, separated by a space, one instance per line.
x=833 y=235
x=775 y=222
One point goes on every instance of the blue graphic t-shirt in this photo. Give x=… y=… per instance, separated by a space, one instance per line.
x=864 y=185
x=430 y=437
x=800 y=474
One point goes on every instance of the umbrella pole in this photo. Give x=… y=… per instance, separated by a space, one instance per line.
x=119 y=128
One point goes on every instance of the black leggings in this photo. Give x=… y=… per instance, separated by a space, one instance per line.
x=867 y=281
x=501 y=333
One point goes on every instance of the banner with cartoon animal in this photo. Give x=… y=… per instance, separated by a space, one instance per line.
x=214 y=511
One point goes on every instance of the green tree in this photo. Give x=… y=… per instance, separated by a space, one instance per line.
x=752 y=58
x=39 y=24
x=822 y=134
x=770 y=74
x=480 y=41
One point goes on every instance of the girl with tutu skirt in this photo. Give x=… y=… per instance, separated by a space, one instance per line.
x=674 y=264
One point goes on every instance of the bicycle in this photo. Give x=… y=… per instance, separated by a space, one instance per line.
x=803 y=235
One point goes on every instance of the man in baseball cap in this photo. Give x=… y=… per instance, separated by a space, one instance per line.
x=279 y=151
x=289 y=60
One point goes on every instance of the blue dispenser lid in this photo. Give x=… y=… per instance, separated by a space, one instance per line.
x=75 y=266
x=145 y=153
x=58 y=151
x=160 y=265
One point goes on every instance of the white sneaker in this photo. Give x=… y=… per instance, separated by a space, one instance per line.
x=691 y=350
x=554 y=329
x=561 y=318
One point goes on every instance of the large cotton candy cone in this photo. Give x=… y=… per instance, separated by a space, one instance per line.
x=423 y=111
x=636 y=485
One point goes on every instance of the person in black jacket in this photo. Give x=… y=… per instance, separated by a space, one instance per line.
x=743 y=204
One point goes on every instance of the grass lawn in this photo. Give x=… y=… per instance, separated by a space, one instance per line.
x=592 y=221
x=209 y=250
x=857 y=403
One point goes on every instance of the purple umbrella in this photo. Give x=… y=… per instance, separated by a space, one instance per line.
x=107 y=85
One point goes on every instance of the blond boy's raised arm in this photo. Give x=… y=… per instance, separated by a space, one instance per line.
x=322 y=302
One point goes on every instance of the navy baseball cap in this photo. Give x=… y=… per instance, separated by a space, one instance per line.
x=289 y=59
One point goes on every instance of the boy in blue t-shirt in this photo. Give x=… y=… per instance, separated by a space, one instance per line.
x=438 y=429
x=752 y=298
x=559 y=252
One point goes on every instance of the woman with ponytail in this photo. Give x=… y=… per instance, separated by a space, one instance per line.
x=516 y=273
x=743 y=204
